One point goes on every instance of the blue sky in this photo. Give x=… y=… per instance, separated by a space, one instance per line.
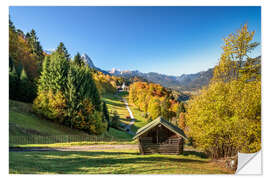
x=167 y=40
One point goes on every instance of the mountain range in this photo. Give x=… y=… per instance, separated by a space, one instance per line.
x=185 y=82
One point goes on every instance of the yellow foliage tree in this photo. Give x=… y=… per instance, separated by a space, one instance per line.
x=226 y=116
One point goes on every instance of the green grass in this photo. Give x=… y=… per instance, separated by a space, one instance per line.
x=115 y=103
x=140 y=121
x=24 y=123
x=110 y=162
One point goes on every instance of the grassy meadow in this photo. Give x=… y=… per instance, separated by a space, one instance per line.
x=27 y=129
x=115 y=103
x=111 y=162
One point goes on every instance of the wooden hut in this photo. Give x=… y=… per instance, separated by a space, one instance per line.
x=160 y=136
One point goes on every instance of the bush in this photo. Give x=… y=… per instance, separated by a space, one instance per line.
x=115 y=120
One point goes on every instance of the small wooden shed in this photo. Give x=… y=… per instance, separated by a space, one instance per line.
x=160 y=136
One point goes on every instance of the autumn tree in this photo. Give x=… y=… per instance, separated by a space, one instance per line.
x=21 y=58
x=225 y=117
x=182 y=121
x=153 y=99
x=236 y=54
x=165 y=109
x=181 y=113
x=154 y=108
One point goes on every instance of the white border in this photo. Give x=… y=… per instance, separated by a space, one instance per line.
x=4 y=72
x=138 y=2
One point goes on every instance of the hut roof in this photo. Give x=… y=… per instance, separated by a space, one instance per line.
x=165 y=123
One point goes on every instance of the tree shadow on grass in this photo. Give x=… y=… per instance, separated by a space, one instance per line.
x=195 y=153
x=74 y=162
x=115 y=103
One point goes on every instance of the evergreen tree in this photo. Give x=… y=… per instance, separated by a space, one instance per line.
x=11 y=25
x=78 y=60
x=44 y=80
x=62 y=51
x=58 y=70
x=115 y=120
x=11 y=64
x=13 y=84
x=20 y=33
x=27 y=92
x=106 y=116
x=34 y=44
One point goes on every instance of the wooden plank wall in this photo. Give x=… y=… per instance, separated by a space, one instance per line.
x=171 y=146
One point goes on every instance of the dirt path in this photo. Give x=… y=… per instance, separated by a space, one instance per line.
x=128 y=127
x=77 y=148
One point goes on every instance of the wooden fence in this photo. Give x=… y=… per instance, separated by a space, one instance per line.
x=59 y=139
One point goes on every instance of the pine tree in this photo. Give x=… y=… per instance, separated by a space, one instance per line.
x=27 y=90
x=59 y=67
x=78 y=60
x=106 y=116
x=62 y=51
x=13 y=84
x=44 y=80
x=11 y=25
x=34 y=45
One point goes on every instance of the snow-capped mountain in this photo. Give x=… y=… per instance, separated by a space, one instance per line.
x=49 y=51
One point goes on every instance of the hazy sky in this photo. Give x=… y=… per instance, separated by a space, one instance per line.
x=167 y=40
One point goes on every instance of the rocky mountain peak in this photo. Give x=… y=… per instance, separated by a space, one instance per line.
x=88 y=60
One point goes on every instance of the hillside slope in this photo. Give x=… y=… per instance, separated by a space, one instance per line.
x=23 y=123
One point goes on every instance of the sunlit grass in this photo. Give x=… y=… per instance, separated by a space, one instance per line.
x=110 y=162
x=23 y=123
x=115 y=103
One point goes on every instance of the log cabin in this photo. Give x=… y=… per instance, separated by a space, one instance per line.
x=160 y=136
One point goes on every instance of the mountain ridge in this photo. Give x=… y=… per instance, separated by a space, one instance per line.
x=184 y=82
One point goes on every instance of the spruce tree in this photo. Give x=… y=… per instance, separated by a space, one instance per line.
x=34 y=44
x=45 y=79
x=62 y=51
x=78 y=60
x=59 y=67
x=106 y=116
x=13 y=84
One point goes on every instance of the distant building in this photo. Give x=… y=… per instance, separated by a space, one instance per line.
x=123 y=87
